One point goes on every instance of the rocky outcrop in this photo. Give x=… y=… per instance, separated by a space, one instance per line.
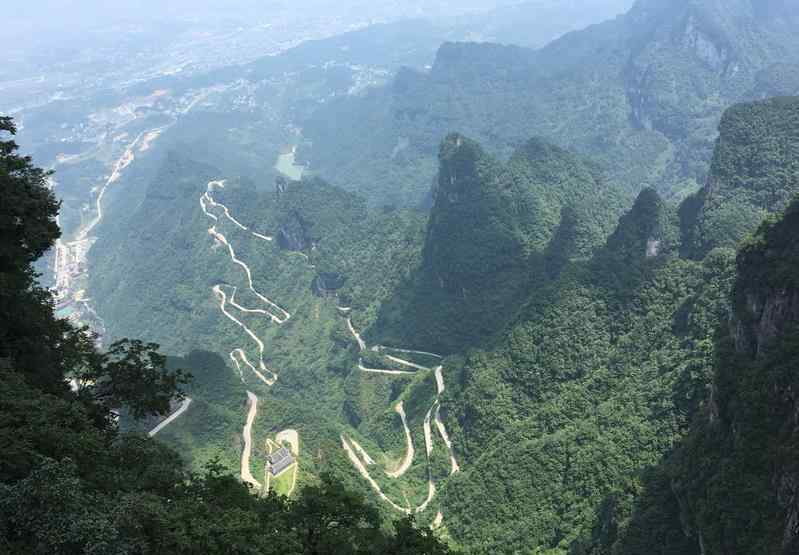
x=767 y=318
x=326 y=284
x=705 y=47
x=647 y=231
x=293 y=234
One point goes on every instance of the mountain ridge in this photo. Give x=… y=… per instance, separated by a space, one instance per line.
x=641 y=94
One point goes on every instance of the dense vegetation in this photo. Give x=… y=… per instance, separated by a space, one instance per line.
x=570 y=422
x=329 y=250
x=729 y=486
x=582 y=346
x=598 y=400
x=71 y=483
x=595 y=382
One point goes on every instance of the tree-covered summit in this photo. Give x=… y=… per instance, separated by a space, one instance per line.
x=496 y=230
x=754 y=172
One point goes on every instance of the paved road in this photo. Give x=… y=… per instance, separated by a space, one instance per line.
x=174 y=416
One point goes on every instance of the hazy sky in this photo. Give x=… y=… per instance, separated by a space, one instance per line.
x=92 y=12
x=46 y=29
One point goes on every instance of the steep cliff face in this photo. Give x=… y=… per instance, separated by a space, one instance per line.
x=766 y=328
x=292 y=234
x=767 y=293
x=472 y=233
x=738 y=476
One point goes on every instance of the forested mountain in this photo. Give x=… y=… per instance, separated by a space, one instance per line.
x=582 y=344
x=752 y=174
x=641 y=94
x=528 y=301
x=563 y=420
x=496 y=231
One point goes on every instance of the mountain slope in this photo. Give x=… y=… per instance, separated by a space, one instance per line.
x=270 y=288
x=582 y=392
x=642 y=94
x=497 y=231
x=563 y=419
x=730 y=486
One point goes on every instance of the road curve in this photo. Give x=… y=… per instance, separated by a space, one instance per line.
x=224 y=208
x=237 y=306
x=409 y=450
x=243 y=356
x=285 y=315
x=365 y=474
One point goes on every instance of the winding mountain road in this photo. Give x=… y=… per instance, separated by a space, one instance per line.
x=220 y=294
x=284 y=314
x=435 y=410
x=355 y=452
x=365 y=474
x=207 y=201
